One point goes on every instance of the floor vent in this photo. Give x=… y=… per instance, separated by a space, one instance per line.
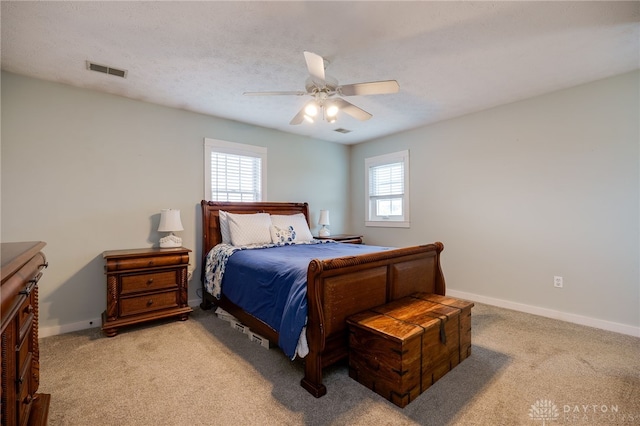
x=341 y=130
x=106 y=70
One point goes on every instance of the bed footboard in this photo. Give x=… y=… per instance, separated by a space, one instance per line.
x=339 y=288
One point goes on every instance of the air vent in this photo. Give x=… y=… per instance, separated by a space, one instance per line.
x=341 y=130
x=106 y=70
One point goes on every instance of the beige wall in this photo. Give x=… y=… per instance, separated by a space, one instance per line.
x=87 y=172
x=519 y=193
x=522 y=192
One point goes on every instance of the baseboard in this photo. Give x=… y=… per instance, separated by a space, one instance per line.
x=69 y=328
x=83 y=325
x=548 y=313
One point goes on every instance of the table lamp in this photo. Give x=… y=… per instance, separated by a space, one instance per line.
x=170 y=222
x=324 y=221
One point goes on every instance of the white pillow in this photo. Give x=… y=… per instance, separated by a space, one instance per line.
x=299 y=223
x=224 y=227
x=246 y=229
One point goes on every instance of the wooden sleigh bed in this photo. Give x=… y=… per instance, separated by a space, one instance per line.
x=336 y=288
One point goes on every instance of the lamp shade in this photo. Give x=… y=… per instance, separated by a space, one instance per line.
x=324 y=217
x=170 y=221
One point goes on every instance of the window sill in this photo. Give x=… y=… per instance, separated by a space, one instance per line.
x=388 y=224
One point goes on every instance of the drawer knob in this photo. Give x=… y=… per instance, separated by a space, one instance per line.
x=27 y=399
x=150 y=281
x=28 y=309
x=151 y=263
x=149 y=302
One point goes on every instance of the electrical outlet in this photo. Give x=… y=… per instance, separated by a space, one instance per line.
x=557 y=281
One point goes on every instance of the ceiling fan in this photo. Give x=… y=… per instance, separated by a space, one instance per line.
x=326 y=93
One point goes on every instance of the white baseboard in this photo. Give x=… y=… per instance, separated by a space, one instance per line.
x=68 y=328
x=548 y=313
x=83 y=325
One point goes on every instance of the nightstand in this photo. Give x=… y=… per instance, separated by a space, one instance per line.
x=343 y=238
x=145 y=285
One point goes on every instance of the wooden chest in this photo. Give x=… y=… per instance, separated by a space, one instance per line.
x=400 y=349
x=465 y=318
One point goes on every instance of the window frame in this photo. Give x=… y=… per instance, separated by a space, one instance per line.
x=381 y=160
x=225 y=147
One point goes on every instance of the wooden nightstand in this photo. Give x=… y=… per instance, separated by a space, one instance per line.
x=144 y=285
x=343 y=238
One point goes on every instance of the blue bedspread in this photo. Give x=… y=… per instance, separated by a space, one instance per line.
x=271 y=283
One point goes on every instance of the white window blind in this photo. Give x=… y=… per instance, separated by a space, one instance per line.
x=235 y=177
x=387 y=193
x=234 y=172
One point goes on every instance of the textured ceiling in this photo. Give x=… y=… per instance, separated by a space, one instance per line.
x=450 y=58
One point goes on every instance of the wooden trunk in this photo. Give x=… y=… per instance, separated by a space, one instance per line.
x=400 y=349
x=465 y=318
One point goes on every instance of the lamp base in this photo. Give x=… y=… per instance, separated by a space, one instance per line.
x=324 y=232
x=170 y=241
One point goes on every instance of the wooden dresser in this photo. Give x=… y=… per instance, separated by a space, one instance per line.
x=22 y=265
x=144 y=285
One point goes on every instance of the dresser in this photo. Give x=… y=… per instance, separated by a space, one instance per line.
x=22 y=266
x=145 y=285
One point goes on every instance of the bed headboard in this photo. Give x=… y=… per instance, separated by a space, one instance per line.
x=211 y=220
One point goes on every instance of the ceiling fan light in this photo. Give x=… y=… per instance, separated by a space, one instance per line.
x=311 y=110
x=332 y=111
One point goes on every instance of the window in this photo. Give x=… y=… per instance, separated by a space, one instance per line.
x=234 y=172
x=387 y=186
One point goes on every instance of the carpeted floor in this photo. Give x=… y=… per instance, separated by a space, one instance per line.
x=524 y=370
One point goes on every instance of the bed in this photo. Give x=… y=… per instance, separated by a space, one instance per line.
x=336 y=287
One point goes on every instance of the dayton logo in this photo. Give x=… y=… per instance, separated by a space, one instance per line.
x=544 y=410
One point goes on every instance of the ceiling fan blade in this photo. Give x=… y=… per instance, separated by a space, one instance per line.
x=298 y=117
x=315 y=65
x=352 y=110
x=372 y=88
x=292 y=93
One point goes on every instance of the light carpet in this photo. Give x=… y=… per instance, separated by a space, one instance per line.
x=523 y=370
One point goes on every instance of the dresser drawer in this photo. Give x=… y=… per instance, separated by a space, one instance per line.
x=25 y=319
x=149 y=282
x=25 y=393
x=117 y=264
x=147 y=303
x=23 y=358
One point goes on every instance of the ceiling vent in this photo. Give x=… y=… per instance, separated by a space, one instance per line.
x=106 y=70
x=341 y=130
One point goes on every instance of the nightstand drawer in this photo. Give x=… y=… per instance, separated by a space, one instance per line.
x=148 y=303
x=148 y=282
x=117 y=264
